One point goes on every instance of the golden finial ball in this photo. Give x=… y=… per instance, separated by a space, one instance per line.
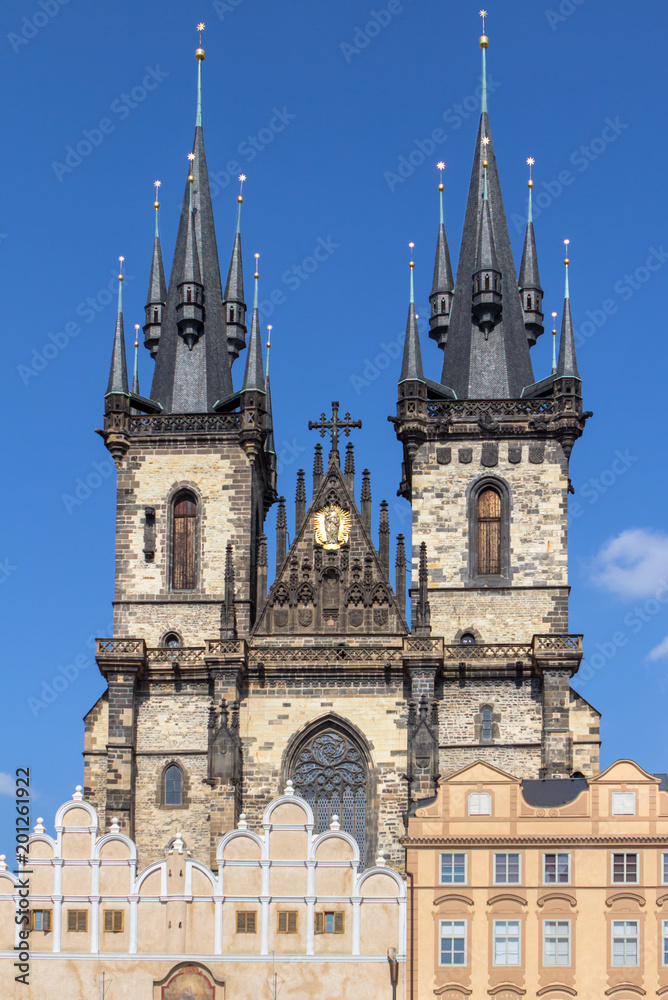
x=441 y=187
x=240 y=199
x=530 y=183
x=484 y=42
x=190 y=178
x=412 y=265
x=136 y=343
x=485 y=164
x=199 y=54
x=120 y=277
x=156 y=204
x=566 y=261
x=257 y=274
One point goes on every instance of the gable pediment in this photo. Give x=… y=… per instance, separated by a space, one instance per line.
x=332 y=581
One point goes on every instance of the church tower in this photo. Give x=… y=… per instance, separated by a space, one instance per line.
x=486 y=453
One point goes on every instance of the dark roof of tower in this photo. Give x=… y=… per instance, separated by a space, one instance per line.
x=254 y=374
x=529 y=277
x=411 y=367
x=157 y=289
x=443 y=280
x=234 y=286
x=192 y=381
x=567 y=364
x=118 y=370
x=499 y=367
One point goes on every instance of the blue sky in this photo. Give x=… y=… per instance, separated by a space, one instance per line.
x=331 y=111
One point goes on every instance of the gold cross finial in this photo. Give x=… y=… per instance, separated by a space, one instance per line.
x=483 y=14
x=200 y=28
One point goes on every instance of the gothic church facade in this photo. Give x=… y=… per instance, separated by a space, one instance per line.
x=220 y=689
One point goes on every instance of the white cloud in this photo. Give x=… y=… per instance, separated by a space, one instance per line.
x=7 y=784
x=634 y=564
x=660 y=651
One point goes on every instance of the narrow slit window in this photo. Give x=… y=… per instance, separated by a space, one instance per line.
x=489 y=533
x=183 y=556
x=487 y=724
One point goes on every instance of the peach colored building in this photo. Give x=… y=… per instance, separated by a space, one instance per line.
x=284 y=903
x=539 y=888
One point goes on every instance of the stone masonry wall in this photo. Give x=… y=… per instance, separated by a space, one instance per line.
x=150 y=473
x=537 y=529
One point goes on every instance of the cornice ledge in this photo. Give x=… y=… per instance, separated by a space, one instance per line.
x=506 y=897
x=629 y=987
x=635 y=896
x=549 y=896
x=451 y=987
x=453 y=897
x=556 y=987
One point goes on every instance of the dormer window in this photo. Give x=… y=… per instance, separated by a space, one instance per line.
x=231 y=314
x=189 y=295
x=486 y=282
x=528 y=302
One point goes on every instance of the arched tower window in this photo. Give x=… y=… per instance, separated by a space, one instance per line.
x=489 y=533
x=329 y=770
x=173 y=786
x=486 y=733
x=183 y=542
x=155 y=315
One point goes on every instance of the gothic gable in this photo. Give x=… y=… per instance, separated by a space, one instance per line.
x=332 y=581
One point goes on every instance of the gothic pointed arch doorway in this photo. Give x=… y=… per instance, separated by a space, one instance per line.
x=329 y=766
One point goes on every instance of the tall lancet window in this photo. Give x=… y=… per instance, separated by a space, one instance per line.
x=329 y=770
x=184 y=532
x=489 y=533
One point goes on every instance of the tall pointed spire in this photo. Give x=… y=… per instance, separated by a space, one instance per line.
x=190 y=305
x=269 y=445
x=135 y=375
x=411 y=368
x=443 y=285
x=567 y=365
x=156 y=296
x=234 y=306
x=498 y=367
x=253 y=376
x=191 y=378
x=118 y=371
x=529 y=280
x=487 y=295
x=199 y=55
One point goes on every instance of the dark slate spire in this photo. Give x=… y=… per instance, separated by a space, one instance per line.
x=529 y=280
x=269 y=445
x=234 y=307
x=567 y=366
x=253 y=376
x=135 y=374
x=192 y=381
x=487 y=295
x=156 y=297
x=498 y=367
x=443 y=285
x=190 y=304
x=411 y=368
x=118 y=370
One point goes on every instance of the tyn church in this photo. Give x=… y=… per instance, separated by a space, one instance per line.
x=222 y=690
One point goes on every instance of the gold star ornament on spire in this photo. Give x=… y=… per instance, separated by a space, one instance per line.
x=566 y=244
x=269 y=329
x=530 y=163
x=199 y=52
x=484 y=40
x=441 y=166
x=156 y=185
x=240 y=196
x=120 y=271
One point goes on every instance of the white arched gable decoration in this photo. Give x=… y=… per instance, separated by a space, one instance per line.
x=206 y=872
x=160 y=866
x=76 y=803
x=108 y=837
x=341 y=835
x=378 y=870
x=293 y=800
x=233 y=835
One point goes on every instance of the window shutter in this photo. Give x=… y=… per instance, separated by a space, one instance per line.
x=46 y=920
x=489 y=533
x=292 y=922
x=183 y=544
x=71 y=920
x=108 y=920
x=282 y=922
x=118 y=920
x=241 y=923
x=250 y=923
x=81 y=920
x=338 y=923
x=319 y=923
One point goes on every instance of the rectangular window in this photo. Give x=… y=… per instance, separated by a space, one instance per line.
x=506 y=942
x=480 y=804
x=506 y=869
x=625 y=868
x=331 y=922
x=113 y=921
x=453 y=869
x=77 y=920
x=556 y=942
x=556 y=869
x=453 y=942
x=664 y=868
x=40 y=920
x=246 y=922
x=625 y=942
x=287 y=921
x=665 y=942
x=623 y=803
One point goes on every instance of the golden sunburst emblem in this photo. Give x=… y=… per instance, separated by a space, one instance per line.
x=332 y=526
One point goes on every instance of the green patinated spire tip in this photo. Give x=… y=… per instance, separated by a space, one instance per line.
x=266 y=365
x=567 y=293
x=120 y=286
x=441 y=187
x=240 y=200
x=156 y=206
x=191 y=179
x=135 y=374
x=411 y=266
x=257 y=281
x=554 y=343
x=530 y=163
x=199 y=55
x=485 y=143
x=484 y=43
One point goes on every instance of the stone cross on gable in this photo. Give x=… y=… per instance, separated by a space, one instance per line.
x=334 y=426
